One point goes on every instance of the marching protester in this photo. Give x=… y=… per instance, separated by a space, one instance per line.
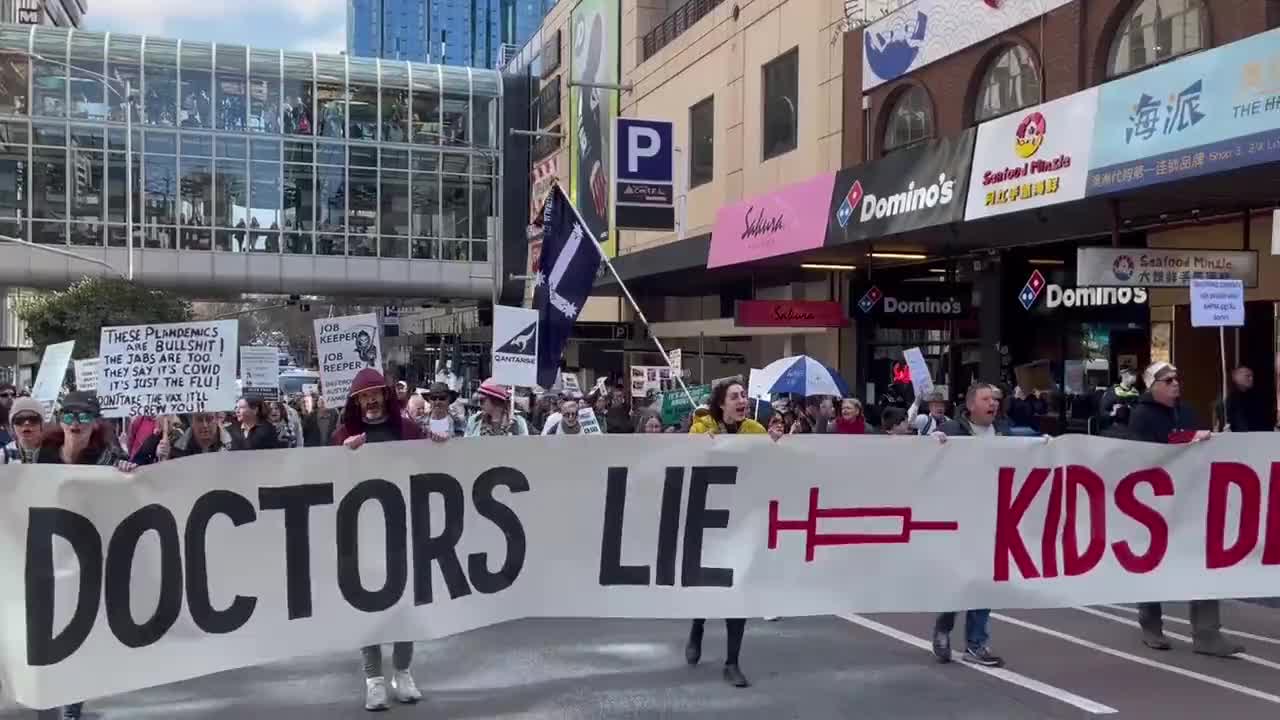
x=617 y=419
x=851 y=420
x=441 y=424
x=372 y=415
x=26 y=421
x=8 y=392
x=542 y=409
x=1161 y=417
x=568 y=423
x=416 y=410
x=204 y=434
x=893 y=421
x=727 y=416
x=252 y=428
x=495 y=418
x=935 y=417
x=978 y=421
x=1243 y=409
x=279 y=419
x=168 y=428
x=600 y=407
x=141 y=429
x=648 y=422
x=318 y=422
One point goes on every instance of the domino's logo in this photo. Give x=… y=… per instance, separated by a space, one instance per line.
x=870 y=299
x=851 y=201
x=1031 y=291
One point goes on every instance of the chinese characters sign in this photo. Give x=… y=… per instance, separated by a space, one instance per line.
x=1211 y=112
x=1153 y=267
x=1032 y=158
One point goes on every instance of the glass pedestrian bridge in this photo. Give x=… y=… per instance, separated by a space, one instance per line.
x=252 y=170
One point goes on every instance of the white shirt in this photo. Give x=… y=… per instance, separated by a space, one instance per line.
x=983 y=431
x=442 y=426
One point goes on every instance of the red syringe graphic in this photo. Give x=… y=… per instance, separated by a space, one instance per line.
x=813 y=539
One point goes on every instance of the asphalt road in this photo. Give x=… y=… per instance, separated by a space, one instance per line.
x=1070 y=663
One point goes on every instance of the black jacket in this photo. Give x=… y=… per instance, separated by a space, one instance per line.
x=1152 y=422
x=1244 y=411
x=261 y=437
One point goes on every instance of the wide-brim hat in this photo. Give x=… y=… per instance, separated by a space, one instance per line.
x=438 y=388
x=493 y=389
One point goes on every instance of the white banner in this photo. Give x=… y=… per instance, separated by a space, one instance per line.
x=53 y=369
x=87 y=374
x=167 y=369
x=515 y=346
x=257 y=557
x=346 y=345
x=1033 y=157
x=260 y=372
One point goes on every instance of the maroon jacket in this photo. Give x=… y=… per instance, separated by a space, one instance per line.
x=352 y=421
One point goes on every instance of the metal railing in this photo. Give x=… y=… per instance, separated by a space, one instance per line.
x=675 y=24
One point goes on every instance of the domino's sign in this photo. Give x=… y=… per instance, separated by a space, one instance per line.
x=644 y=174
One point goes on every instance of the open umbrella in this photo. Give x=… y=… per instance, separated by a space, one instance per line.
x=802 y=375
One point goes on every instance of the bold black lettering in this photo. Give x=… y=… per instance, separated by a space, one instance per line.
x=669 y=525
x=612 y=571
x=240 y=511
x=43 y=524
x=297 y=501
x=119 y=575
x=397 y=556
x=699 y=517
x=507 y=521
x=441 y=549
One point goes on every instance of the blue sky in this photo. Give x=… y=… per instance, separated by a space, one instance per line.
x=316 y=25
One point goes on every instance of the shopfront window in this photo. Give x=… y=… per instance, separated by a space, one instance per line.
x=1155 y=31
x=395 y=101
x=161 y=96
x=364 y=99
x=331 y=91
x=196 y=85
x=1011 y=82
x=230 y=87
x=264 y=92
x=299 y=94
x=910 y=119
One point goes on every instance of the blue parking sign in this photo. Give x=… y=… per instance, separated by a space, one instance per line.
x=645 y=150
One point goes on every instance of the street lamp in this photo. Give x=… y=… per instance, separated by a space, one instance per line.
x=128 y=140
x=65 y=253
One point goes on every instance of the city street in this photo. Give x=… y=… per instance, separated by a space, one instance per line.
x=1069 y=663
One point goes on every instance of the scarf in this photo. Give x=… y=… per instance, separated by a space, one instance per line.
x=856 y=426
x=489 y=429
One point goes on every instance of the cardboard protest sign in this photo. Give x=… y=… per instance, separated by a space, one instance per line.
x=260 y=372
x=53 y=369
x=346 y=345
x=168 y=369
x=87 y=374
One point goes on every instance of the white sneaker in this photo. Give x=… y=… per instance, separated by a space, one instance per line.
x=405 y=689
x=375 y=693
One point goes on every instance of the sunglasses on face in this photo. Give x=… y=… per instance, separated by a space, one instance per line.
x=7 y=395
x=84 y=418
x=439 y=398
x=1169 y=380
x=27 y=420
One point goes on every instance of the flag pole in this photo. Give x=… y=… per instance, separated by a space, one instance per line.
x=630 y=299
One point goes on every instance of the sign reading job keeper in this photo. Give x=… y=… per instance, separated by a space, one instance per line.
x=167 y=369
x=346 y=345
x=117 y=585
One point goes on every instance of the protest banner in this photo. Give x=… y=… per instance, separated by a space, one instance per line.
x=258 y=557
x=346 y=345
x=260 y=372
x=674 y=404
x=53 y=370
x=167 y=369
x=87 y=374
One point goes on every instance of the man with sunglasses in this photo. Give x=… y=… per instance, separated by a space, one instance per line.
x=1160 y=416
x=26 y=419
x=440 y=424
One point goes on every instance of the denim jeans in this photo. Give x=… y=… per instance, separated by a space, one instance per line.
x=976 y=633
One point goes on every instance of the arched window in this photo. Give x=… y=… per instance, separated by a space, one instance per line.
x=1010 y=82
x=1156 y=30
x=910 y=119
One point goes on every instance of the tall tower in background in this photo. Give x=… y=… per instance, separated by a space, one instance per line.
x=478 y=33
x=61 y=13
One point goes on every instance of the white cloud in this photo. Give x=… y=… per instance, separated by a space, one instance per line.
x=247 y=20
x=330 y=42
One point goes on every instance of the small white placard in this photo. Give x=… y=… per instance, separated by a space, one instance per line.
x=1217 y=303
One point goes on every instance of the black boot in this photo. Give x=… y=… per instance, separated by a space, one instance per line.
x=693 y=650
x=733 y=675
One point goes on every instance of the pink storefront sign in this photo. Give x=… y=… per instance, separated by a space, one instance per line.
x=787 y=221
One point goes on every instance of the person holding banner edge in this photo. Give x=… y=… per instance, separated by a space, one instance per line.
x=373 y=414
x=727 y=416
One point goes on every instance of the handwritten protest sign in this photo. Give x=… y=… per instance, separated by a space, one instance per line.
x=260 y=372
x=167 y=369
x=53 y=369
x=346 y=346
x=87 y=374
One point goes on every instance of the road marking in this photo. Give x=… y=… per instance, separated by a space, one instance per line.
x=1183 y=621
x=1243 y=690
x=1008 y=676
x=1183 y=638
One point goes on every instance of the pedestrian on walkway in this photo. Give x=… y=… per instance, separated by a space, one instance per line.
x=252 y=428
x=26 y=423
x=727 y=416
x=1161 y=417
x=495 y=418
x=373 y=415
x=977 y=421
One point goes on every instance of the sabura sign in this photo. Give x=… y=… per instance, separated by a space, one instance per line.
x=789 y=313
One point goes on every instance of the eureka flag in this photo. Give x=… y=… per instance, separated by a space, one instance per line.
x=566 y=271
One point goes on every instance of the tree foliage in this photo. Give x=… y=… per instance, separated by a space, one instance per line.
x=81 y=311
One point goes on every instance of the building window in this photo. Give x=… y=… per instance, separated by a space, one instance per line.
x=910 y=119
x=1155 y=31
x=1011 y=82
x=702 y=142
x=781 y=104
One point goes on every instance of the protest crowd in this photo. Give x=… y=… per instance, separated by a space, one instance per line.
x=1141 y=407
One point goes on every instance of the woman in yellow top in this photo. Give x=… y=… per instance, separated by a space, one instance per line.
x=727 y=416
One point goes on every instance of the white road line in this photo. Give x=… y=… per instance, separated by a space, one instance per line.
x=1008 y=676
x=1243 y=690
x=1184 y=621
x=1183 y=638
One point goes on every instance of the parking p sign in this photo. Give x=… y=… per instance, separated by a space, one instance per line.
x=644 y=172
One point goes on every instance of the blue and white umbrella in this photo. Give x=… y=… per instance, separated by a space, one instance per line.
x=802 y=375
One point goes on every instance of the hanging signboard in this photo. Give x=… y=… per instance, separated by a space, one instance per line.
x=644 y=168
x=1158 y=267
